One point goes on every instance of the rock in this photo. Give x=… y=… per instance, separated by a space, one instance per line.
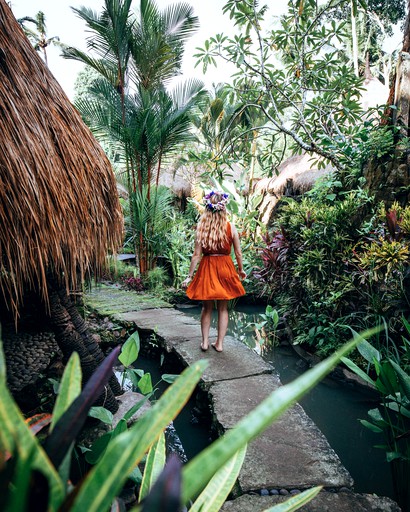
x=323 y=502
x=126 y=401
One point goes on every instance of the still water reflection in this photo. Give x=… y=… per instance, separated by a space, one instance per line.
x=335 y=408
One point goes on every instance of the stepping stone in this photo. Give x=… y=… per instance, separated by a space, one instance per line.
x=292 y=453
x=323 y=502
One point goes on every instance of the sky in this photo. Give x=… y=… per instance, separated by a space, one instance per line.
x=61 y=21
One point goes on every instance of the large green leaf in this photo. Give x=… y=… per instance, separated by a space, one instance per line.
x=215 y=493
x=153 y=466
x=198 y=471
x=296 y=502
x=358 y=371
x=368 y=351
x=69 y=425
x=70 y=388
x=404 y=378
x=145 y=384
x=102 y=414
x=108 y=476
x=130 y=350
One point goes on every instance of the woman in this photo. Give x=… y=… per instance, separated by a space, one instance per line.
x=216 y=279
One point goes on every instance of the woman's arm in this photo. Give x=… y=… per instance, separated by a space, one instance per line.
x=238 y=251
x=196 y=258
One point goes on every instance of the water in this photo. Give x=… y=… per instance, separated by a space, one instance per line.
x=187 y=436
x=334 y=407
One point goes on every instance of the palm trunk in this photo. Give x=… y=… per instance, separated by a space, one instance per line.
x=69 y=341
x=90 y=344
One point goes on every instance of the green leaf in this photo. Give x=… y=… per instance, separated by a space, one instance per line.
x=297 y=501
x=98 y=448
x=197 y=472
x=69 y=425
x=130 y=350
x=393 y=456
x=100 y=445
x=368 y=351
x=102 y=414
x=153 y=466
x=145 y=384
x=215 y=493
x=403 y=377
x=358 y=371
x=169 y=377
x=69 y=389
x=134 y=376
x=370 y=426
x=130 y=413
x=135 y=476
x=19 y=487
x=376 y=416
x=106 y=479
x=387 y=379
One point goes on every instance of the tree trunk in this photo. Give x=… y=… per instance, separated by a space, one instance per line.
x=90 y=344
x=69 y=341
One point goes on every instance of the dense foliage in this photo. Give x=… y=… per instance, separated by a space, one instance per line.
x=336 y=262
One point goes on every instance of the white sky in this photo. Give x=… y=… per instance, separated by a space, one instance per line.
x=61 y=21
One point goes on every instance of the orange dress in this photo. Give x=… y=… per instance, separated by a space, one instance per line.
x=216 y=277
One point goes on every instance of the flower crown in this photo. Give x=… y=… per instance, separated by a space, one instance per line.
x=215 y=207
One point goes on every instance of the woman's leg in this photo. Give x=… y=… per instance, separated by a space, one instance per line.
x=206 y=315
x=223 y=317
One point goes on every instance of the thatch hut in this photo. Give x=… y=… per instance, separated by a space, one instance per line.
x=59 y=209
x=296 y=175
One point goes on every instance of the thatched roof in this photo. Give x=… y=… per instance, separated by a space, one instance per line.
x=59 y=208
x=296 y=176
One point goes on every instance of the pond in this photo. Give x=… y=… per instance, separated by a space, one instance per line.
x=335 y=407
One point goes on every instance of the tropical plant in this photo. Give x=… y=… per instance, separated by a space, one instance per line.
x=151 y=218
x=38 y=36
x=387 y=374
x=28 y=467
x=295 y=76
x=135 y=57
x=180 y=238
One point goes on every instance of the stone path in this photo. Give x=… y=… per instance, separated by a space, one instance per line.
x=291 y=454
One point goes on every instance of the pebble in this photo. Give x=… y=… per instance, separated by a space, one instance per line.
x=295 y=491
x=264 y=492
x=284 y=492
x=274 y=492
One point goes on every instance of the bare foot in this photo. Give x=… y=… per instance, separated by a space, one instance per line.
x=213 y=345
x=204 y=347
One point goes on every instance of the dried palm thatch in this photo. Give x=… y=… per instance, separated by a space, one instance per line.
x=59 y=209
x=296 y=176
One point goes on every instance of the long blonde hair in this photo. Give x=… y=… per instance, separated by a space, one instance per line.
x=211 y=230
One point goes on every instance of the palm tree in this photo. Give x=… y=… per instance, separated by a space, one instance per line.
x=38 y=36
x=136 y=56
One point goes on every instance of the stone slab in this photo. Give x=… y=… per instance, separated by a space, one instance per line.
x=167 y=324
x=292 y=453
x=110 y=300
x=323 y=502
x=182 y=334
x=235 y=362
